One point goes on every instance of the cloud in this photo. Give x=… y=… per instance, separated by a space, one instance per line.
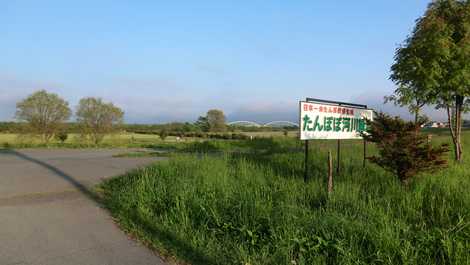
x=143 y=101
x=154 y=109
x=164 y=100
x=13 y=89
x=263 y=112
x=154 y=100
x=375 y=100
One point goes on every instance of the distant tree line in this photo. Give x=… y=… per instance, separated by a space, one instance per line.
x=47 y=115
x=173 y=128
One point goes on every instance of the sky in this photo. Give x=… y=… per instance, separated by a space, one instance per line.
x=164 y=61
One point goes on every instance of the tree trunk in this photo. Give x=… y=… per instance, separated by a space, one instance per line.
x=416 y=116
x=96 y=139
x=417 y=129
x=450 y=120
x=46 y=137
x=455 y=126
x=458 y=122
x=417 y=112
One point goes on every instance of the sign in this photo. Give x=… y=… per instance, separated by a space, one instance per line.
x=332 y=121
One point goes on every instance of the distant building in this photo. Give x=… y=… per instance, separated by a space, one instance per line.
x=466 y=124
x=435 y=124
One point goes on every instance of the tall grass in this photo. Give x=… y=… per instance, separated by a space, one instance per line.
x=248 y=204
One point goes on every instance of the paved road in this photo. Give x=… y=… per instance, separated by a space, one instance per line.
x=47 y=218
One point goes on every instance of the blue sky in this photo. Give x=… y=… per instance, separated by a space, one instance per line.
x=173 y=60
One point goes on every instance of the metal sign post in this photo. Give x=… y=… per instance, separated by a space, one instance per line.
x=338 y=157
x=306 y=162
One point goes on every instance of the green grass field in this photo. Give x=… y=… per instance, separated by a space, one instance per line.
x=75 y=141
x=245 y=202
x=123 y=139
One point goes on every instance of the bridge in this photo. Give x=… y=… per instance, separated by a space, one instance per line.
x=269 y=124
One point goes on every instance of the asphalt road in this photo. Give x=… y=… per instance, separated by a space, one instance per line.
x=48 y=217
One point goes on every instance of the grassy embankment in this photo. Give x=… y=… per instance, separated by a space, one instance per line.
x=244 y=202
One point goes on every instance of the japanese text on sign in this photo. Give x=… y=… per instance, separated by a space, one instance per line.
x=322 y=121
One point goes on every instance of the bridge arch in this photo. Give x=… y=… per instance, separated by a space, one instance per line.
x=280 y=123
x=245 y=123
x=269 y=124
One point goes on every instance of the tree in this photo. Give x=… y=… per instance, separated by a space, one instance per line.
x=216 y=120
x=402 y=151
x=45 y=113
x=202 y=124
x=414 y=89
x=408 y=96
x=163 y=133
x=432 y=66
x=97 y=118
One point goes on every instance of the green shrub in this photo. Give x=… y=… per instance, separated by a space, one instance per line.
x=403 y=150
x=61 y=136
x=163 y=134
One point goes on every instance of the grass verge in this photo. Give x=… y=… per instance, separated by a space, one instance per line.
x=138 y=154
x=252 y=207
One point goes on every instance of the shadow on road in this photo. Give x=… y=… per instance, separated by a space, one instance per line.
x=57 y=172
x=171 y=240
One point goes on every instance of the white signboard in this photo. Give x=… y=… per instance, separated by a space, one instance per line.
x=330 y=121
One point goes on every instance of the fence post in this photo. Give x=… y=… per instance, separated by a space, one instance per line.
x=330 y=173
x=365 y=154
